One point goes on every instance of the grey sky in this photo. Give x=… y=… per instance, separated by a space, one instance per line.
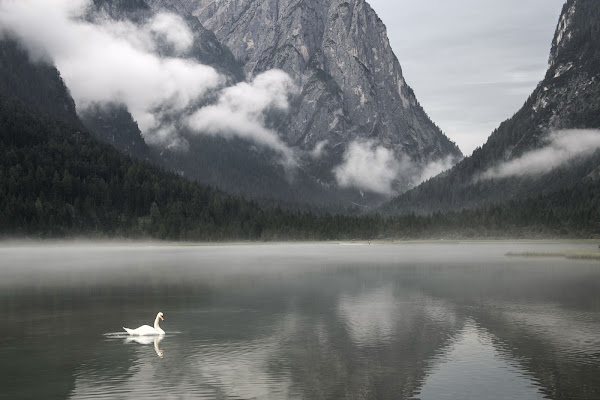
x=471 y=63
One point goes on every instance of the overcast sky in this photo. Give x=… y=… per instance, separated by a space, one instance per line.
x=471 y=63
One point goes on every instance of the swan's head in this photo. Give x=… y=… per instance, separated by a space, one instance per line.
x=160 y=315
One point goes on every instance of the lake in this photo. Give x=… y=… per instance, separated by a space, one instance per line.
x=299 y=321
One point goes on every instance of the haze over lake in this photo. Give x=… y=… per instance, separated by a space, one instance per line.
x=300 y=321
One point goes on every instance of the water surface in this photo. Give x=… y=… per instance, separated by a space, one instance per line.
x=299 y=321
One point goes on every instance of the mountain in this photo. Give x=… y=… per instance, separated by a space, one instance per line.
x=351 y=91
x=567 y=99
x=338 y=51
x=234 y=165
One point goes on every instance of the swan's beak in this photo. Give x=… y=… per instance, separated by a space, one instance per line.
x=162 y=319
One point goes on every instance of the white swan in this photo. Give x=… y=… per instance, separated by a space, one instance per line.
x=146 y=330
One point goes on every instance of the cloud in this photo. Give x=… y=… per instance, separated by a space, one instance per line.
x=562 y=147
x=319 y=149
x=240 y=111
x=108 y=61
x=173 y=30
x=435 y=168
x=371 y=167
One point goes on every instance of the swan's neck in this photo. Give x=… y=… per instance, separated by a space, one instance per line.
x=156 y=321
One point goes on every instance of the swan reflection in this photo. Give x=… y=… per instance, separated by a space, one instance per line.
x=144 y=340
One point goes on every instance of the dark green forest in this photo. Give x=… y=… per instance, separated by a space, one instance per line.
x=57 y=180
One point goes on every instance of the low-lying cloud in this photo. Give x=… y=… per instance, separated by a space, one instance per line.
x=240 y=111
x=435 y=168
x=368 y=167
x=375 y=168
x=562 y=147
x=108 y=61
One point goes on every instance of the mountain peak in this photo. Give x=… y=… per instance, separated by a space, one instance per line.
x=563 y=31
x=351 y=84
x=576 y=38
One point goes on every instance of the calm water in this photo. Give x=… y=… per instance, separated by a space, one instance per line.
x=318 y=321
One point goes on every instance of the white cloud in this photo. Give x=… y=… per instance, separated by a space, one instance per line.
x=372 y=167
x=368 y=167
x=562 y=147
x=173 y=29
x=435 y=168
x=240 y=111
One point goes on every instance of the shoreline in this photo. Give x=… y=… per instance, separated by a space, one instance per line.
x=159 y=243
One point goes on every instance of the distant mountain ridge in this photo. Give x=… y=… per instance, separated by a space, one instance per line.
x=351 y=90
x=567 y=98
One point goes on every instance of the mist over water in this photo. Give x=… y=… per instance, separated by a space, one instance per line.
x=303 y=321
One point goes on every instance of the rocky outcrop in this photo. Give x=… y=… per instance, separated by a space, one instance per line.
x=570 y=91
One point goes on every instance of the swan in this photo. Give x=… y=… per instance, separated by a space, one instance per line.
x=146 y=330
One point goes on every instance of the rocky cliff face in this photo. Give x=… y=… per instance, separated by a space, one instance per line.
x=569 y=95
x=352 y=87
x=567 y=98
